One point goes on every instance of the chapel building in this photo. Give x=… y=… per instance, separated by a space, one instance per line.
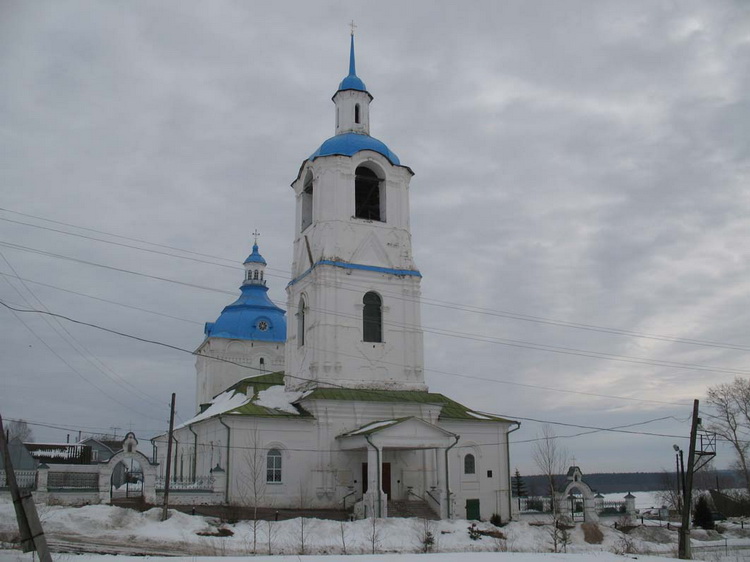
x=328 y=408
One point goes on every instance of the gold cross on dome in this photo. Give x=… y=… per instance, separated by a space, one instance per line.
x=353 y=26
x=256 y=234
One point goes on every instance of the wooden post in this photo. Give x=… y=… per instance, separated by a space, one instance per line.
x=29 y=526
x=165 y=508
x=683 y=549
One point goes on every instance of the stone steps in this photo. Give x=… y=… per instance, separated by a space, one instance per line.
x=411 y=508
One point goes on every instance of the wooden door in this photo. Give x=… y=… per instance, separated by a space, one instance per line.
x=386 y=474
x=472 y=510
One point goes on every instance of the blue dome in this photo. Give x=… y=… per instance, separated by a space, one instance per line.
x=348 y=144
x=352 y=82
x=251 y=317
x=255 y=257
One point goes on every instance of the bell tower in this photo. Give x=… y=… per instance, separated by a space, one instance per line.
x=354 y=296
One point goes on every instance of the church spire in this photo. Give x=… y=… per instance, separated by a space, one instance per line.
x=352 y=81
x=352 y=99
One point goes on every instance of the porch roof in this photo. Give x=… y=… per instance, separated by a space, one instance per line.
x=398 y=433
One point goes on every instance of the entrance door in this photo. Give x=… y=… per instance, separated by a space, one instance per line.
x=472 y=510
x=386 y=475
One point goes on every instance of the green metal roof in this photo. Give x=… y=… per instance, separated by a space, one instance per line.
x=258 y=384
x=451 y=410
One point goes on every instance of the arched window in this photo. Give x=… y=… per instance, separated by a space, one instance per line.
x=470 y=465
x=307 y=204
x=372 y=318
x=273 y=466
x=356 y=113
x=255 y=275
x=367 y=199
x=301 y=322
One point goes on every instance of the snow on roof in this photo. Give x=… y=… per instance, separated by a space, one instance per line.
x=223 y=403
x=277 y=398
x=478 y=416
x=370 y=427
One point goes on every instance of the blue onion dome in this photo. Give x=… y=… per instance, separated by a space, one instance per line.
x=255 y=257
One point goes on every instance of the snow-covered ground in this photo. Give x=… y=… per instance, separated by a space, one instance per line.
x=116 y=530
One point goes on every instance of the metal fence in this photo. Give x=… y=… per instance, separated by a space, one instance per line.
x=88 y=481
x=26 y=479
x=202 y=483
x=543 y=504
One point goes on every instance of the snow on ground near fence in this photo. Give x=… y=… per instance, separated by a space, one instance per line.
x=127 y=530
x=7 y=556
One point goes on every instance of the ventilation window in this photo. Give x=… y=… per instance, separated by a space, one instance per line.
x=470 y=464
x=367 y=195
x=372 y=318
x=307 y=205
x=356 y=113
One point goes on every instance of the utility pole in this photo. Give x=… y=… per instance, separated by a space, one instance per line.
x=684 y=551
x=29 y=526
x=165 y=508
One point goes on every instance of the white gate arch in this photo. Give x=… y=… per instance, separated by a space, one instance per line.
x=128 y=452
x=589 y=500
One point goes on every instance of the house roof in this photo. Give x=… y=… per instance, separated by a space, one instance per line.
x=265 y=396
x=451 y=410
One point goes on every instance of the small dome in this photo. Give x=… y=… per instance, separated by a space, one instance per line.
x=251 y=317
x=255 y=257
x=352 y=82
x=348 y=144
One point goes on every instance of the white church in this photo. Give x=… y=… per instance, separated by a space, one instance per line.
x=330 y=409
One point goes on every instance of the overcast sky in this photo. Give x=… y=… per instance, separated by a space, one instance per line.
x=580 y=200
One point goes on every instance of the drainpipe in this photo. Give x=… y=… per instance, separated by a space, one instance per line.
x=153 y=450
x=229 y=437
x=447 y=476
x=380 y=492
x=174 y=462
x=195 y=450
x=507 y=458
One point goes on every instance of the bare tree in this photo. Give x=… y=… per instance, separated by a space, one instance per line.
x=670 y=495
x=551 y=459
x=343 y=528
x=253 y=479
x=373 y=535
x=731 y=402
x=20 y=430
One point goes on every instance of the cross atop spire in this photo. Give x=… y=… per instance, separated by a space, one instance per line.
x=353 y=26
x=256 y=234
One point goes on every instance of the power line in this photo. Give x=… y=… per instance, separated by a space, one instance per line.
x=424 y=301
x=132 y=307
x=14 y=311
x=75 y=344
x=176 y=348
x=474 y=337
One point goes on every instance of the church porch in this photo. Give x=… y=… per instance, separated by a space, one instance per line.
x=417 y=449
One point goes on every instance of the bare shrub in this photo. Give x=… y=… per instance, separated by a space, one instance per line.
x=625 y=545
x=373 y=535
x=343 y=532
x=424 y=532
